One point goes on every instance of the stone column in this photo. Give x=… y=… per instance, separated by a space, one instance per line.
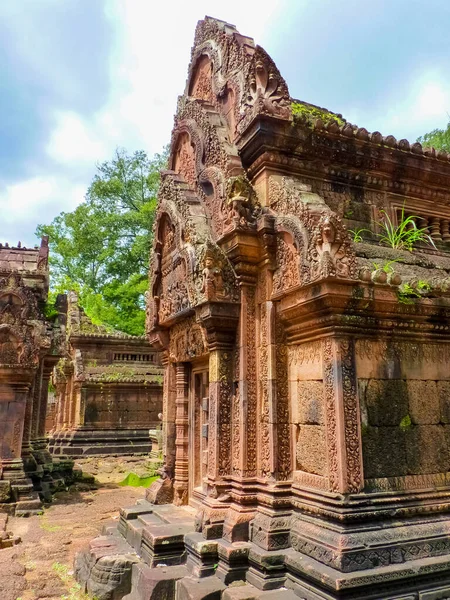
x=345 y=466
x=13 y=405
x=181 y=481
x=243 y=417
x=169 y=415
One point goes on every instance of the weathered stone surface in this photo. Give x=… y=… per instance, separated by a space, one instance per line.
x=387 y=402
x=241 y=592
x=160 y=492
x=209 y=588
x=310 y=403
x=384 y=452
x=311 y=451
x=424 y=406
x=154 y=584
x=426 y=449
x=443 y=390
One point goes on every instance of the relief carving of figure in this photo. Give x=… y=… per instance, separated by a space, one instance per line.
x=242 y=203
x=331 y=252
x=212 y=287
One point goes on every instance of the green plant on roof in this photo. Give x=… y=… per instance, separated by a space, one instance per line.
x=309 y=113
x=405 y=235
x=357 y=234
x=407 y=294
x=387 y=266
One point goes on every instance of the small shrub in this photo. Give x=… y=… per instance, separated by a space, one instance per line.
x=405 y=235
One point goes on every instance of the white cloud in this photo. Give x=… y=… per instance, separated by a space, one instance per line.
x=37 y=200
x=74 y=139
x=416 y=109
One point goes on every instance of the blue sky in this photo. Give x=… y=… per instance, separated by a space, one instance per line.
x=80 y=77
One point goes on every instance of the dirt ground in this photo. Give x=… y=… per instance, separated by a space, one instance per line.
x=41 y=565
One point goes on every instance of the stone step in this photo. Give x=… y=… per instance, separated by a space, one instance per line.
x=207 y=588
x=150 y=519
x=134 y=534
x=164 y=544
x=174 y=514
x=249 y=592
x=154 y=584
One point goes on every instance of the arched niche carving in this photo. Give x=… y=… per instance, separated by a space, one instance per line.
x=184 y=159
x=201 y=83
x=170 y=274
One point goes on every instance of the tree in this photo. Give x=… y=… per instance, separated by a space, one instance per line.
x=102 y=248
x=438 y=138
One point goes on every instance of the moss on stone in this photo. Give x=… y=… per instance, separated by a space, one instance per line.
x=405 y=423
x=134 y=480
x=309 y=113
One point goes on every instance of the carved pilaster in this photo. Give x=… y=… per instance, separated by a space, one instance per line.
x=220 y=393
x=181 y=483
x=342 y=416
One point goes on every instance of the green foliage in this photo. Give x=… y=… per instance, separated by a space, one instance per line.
x=75 y=591
x=438 y=138
x=387 y=266
x=357 y=234
x=134 y=480
x=405 y=235
x=407 y=293
x=102 y=248
x=405 y=423
x=309 y=113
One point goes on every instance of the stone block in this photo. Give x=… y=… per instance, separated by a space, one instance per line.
x=241 y=592
x=384 y=452
x=311 y=449
x=424 y=406
x=154 y=584
x=208 y=588
x=310 y=403
x=427 y=450
x=386 y=401
x=443 y=391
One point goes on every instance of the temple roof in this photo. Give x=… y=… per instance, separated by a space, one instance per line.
x=24 y=260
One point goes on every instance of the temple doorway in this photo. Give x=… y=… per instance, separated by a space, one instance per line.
x=198 y=432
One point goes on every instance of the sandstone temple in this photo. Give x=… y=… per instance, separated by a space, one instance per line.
x=30 y=347
x=306 y=395
x=108 y=390
x=304 y=357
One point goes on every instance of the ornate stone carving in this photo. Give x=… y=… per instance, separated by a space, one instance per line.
x=330 y=250
x=214 y=276
x=265 y=91
x=286 y=275
x=187 y=341
x=242 y=203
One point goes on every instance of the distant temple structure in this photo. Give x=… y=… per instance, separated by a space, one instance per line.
x=306 y=397
x=108 y=390
x=30 y=346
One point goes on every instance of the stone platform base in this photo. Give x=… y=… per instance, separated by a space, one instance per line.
x=154 y=553
x=98 y=442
